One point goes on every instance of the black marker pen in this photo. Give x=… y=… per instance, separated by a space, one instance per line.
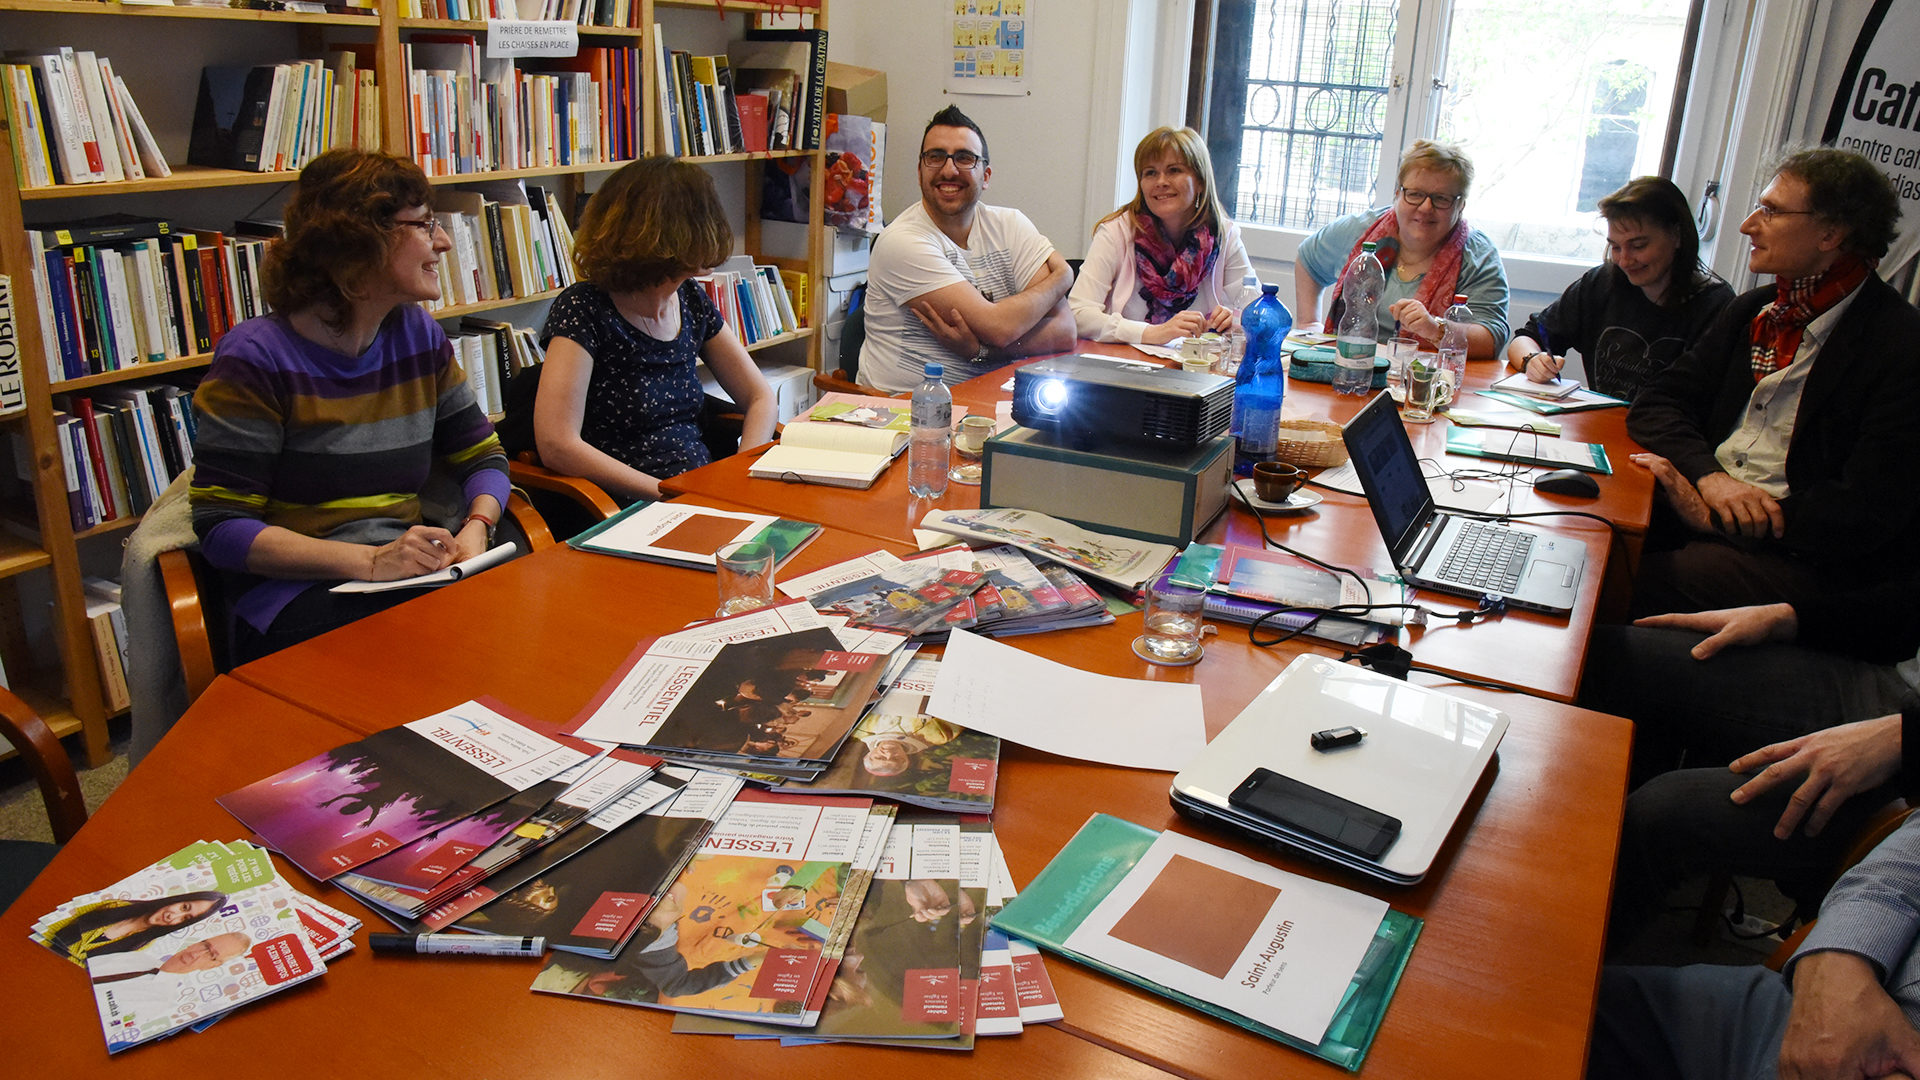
x=456 y=945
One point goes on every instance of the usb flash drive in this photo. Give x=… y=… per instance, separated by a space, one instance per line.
x=1336 y=737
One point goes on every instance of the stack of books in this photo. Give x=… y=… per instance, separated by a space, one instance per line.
x=508 y=240
x=278 y=117
x=121 y=447
x=492 y=353
x=752 y=299
x=74 y=121
x=765 y=93
x=119 y=290
x=470 y=113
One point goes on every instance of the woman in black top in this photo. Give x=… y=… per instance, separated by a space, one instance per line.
x=1635 y=313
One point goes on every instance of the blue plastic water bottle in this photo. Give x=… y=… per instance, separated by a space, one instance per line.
x=1261 y=384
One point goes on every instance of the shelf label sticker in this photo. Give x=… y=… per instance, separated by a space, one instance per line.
x=531 y=37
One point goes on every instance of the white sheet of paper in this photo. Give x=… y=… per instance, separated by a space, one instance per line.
x=988 y=686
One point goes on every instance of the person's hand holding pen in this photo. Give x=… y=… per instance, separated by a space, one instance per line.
x=420 y=550
x=1541 y=365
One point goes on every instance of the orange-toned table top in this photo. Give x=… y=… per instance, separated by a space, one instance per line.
x=1515 y=909
x=382 y=1016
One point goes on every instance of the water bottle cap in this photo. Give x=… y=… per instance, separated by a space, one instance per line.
x=1270 y=290
x=934 y=370
x=1369 y=245
x=1459 y=298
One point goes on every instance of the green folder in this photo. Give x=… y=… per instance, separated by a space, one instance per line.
x=1523 y=447
x=1102 y=853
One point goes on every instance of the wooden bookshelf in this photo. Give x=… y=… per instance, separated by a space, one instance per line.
x=198 y=35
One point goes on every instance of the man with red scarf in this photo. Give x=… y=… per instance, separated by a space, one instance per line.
x=1783 y=441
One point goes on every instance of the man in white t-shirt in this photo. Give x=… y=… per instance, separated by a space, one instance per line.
x=955 y=281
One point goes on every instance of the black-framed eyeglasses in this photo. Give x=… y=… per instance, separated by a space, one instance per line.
x=427 y=226
x=1439 y=201
x=937 y=159
x=1768 y=213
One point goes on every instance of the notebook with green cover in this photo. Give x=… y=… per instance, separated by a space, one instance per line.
x=1099 y=859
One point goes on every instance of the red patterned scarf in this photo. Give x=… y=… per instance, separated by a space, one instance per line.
x=1170 y=278
x=1776 y=330
x=1443 y=274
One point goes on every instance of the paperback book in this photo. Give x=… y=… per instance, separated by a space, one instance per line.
x=740 y=932
x=897 y=751
x=354 y=803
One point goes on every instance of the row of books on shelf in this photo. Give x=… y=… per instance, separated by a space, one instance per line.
x=766 y=93
x=508 y=240
x=622 y=13
x=278 y=117
x=754 y=300
x=121 y=447
x=471 y=113
x=109 y=626
x=119 y=290
x=74 y=121
x=492 y=353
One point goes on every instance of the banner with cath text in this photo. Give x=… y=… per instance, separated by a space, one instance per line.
x=1877 y=112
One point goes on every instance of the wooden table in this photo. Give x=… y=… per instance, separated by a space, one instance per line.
x=1515 y=908
x=383 y=1016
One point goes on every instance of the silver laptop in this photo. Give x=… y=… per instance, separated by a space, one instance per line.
x=1449 y=552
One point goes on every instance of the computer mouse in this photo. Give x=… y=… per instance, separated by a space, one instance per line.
x=1568 y=482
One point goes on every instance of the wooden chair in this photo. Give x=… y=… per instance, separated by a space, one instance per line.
x=1880 y=826
x=191 y=585
x=22 y=860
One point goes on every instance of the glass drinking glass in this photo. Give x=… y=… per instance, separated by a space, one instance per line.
x=970 y=444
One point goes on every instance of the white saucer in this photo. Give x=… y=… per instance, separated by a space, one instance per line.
x=1300 y=500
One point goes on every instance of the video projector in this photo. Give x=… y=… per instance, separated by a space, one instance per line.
x=1085 y=401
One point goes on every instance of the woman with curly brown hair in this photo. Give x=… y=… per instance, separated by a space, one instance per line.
x=318 y=424
x=619 y=400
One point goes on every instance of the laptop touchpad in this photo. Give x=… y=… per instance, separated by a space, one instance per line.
x=1553 y=572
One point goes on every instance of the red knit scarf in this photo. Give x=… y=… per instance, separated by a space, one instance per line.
x=1777 y=329
x=1442 y=277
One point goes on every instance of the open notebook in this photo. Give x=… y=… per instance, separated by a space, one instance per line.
x=847 y=440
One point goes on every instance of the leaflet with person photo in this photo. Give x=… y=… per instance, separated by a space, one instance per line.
x=782 y=700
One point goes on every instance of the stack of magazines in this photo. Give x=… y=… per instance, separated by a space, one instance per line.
x=999 y=591
x=204 y=930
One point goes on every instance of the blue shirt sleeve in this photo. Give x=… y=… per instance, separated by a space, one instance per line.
x=1324 y=253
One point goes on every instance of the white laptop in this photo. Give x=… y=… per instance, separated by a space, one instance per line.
x=1423 y=753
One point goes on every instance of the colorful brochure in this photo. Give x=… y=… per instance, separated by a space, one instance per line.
x=356 y=802
x=686 y=535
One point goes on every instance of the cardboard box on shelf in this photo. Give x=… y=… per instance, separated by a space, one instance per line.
x=856 y=91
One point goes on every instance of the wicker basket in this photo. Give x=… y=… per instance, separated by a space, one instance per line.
x=1310 y=444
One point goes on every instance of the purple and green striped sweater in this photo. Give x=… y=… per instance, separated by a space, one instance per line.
x=297 y=435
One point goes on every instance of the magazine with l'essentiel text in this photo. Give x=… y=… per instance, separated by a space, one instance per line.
x=740 y=932
x=354 y=803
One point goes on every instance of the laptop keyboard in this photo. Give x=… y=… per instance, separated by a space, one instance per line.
x=1487 y=557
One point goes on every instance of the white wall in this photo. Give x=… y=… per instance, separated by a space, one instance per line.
x=1105 y=72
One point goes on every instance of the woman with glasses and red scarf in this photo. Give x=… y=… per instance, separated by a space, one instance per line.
x=1168 y=264
x=1427 y=248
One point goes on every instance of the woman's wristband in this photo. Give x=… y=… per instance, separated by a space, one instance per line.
x=490 y=523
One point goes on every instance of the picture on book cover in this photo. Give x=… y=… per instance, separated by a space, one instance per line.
x=739 y=933
x=899 y=751
x=354 y=803
x=790 y=696
x=901 y=975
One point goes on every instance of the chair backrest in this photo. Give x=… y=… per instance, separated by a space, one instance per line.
x=853 y=334
x=1878 y=827
x=34 y=741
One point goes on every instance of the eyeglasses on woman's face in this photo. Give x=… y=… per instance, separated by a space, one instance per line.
x=937 y=159
x=427 y=227
x=1414 y=198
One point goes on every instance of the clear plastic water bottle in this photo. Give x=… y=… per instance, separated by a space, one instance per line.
x=1236 y=350
x=1453 y=345
x=932 y=435
x=1260 y=385
x=1359 y=330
